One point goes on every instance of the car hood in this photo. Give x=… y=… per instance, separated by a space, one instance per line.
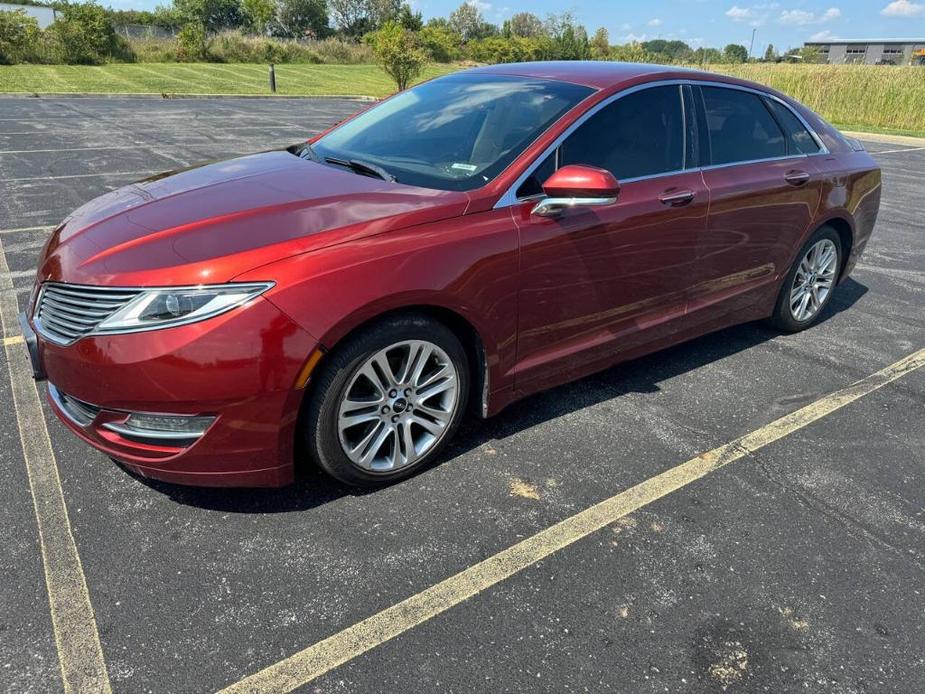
x=213 y=222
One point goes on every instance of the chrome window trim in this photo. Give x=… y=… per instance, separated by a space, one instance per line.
x=509 y=198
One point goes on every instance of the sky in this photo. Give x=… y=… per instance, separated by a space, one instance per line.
x=786 y=24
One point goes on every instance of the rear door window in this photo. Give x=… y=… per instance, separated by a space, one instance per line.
x=799 y=141
x=741 y=127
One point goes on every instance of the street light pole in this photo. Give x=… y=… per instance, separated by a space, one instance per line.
x=752 y=44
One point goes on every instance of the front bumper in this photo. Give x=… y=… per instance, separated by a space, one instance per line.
x=239 y=368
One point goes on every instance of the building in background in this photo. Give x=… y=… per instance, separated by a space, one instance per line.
x=871 y=51
x=44 y=15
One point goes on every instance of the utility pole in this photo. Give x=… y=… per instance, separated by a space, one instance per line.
x=752 y=44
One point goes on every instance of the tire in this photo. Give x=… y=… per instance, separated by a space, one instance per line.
x=350 y=409
x=791 y=317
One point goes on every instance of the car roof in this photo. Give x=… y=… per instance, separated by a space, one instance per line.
x=595 y=73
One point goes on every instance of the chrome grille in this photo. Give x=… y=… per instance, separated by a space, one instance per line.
x=66 y=312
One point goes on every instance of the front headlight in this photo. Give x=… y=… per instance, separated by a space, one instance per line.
x=167 y=307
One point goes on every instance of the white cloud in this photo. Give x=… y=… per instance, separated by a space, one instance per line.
x=824 y=35
x=635 y=38
x=755 y=15
x=480 y=5
x=626 y=26
x=903 y=8
x=655 y=22
x=802 y=17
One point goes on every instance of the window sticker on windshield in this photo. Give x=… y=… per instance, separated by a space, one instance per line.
x=459 y=166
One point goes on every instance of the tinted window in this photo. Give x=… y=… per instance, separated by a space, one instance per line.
x=637 y=135
x=453 y=133
x=741 y=128
x=799 y=140
x=533 y=184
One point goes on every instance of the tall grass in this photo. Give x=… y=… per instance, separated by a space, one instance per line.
x=862 y=96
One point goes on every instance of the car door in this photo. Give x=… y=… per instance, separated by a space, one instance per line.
x=596 y=282
x=764 y=193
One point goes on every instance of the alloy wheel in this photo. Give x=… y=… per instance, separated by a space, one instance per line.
x=813 y=281
x=398 y=405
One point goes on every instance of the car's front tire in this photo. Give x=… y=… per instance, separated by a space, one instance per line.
x=808 y=287
x=384 y=403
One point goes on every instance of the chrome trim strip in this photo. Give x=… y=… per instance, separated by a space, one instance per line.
x=158 y=434
x=510 y=198
x=56 y=396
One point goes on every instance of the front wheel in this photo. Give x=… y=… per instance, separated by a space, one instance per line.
x=808 y=287
x=386 y=402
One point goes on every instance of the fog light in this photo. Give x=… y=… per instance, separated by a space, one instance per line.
x=162 y=426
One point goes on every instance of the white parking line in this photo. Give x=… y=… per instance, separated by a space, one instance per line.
x=63 y=149
x=896 y=151
x=16 y=231
x=87 y=175
x=80 y=653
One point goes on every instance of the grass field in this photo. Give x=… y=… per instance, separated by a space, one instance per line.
x=857 y=97
x=201 y=78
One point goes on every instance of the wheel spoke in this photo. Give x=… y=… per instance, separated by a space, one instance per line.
x=435 y=427
x=436 y=388
x=370 y=453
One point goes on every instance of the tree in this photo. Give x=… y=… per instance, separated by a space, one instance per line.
x=466 y=20
x=300 y=19
x=398 y=52
x=352 y=17
x=735 y=53
x=600 y=45
x=526 y=25
x=257 y=14
x=707 y=56
x=191 y=43
x=570 y=40
x=770 y=55
x=408 y=18
x=213 y=15
x=670 y=51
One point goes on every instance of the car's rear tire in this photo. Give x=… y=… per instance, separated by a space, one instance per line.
x=808 y=287
x=384 y=403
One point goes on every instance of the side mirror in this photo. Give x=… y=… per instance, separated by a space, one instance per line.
x=577 y=186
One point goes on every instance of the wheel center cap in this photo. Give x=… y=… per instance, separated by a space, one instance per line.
x=400 y=405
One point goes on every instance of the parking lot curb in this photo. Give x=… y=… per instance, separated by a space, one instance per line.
x=888 y=139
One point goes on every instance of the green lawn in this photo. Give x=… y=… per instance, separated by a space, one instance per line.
x=201 y=78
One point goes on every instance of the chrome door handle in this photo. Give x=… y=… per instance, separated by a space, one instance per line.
x=676 y=198
x=796 y=178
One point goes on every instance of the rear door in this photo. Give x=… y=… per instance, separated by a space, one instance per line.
x=764 y=193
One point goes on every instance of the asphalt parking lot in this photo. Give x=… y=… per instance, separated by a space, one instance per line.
x=798 y=566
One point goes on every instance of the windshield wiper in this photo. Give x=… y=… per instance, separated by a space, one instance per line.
x=305 y=151
x=362 y=167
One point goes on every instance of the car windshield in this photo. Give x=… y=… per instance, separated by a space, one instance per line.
x=454 y=133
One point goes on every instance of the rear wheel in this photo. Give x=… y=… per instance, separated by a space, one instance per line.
x=386 y=402
x=808 y=287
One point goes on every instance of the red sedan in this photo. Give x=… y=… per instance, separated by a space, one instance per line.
x=458 y=246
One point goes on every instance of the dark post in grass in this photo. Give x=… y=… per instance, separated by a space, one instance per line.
x=272 y=78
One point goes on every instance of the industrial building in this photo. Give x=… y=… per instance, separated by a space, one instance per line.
x=871 y=51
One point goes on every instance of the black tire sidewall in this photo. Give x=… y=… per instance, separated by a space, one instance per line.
x=319 y=426
x=782 y=317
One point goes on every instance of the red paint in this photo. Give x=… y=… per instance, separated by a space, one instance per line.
x=576 y=181
x=550 y=298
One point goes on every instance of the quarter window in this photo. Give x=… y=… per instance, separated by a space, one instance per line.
x=799 y=141
x=640 y=134
x=741 y=128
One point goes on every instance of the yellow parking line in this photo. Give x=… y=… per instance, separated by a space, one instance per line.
x=324 y=656
x=76 y=637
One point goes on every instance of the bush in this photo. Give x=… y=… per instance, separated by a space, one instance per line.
x=398 y=52
x=515 y=49
x=441 y=44
x=333 y=50
x=83 y=34
x=20 y=38
x=191 y=43
x=235 y=47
